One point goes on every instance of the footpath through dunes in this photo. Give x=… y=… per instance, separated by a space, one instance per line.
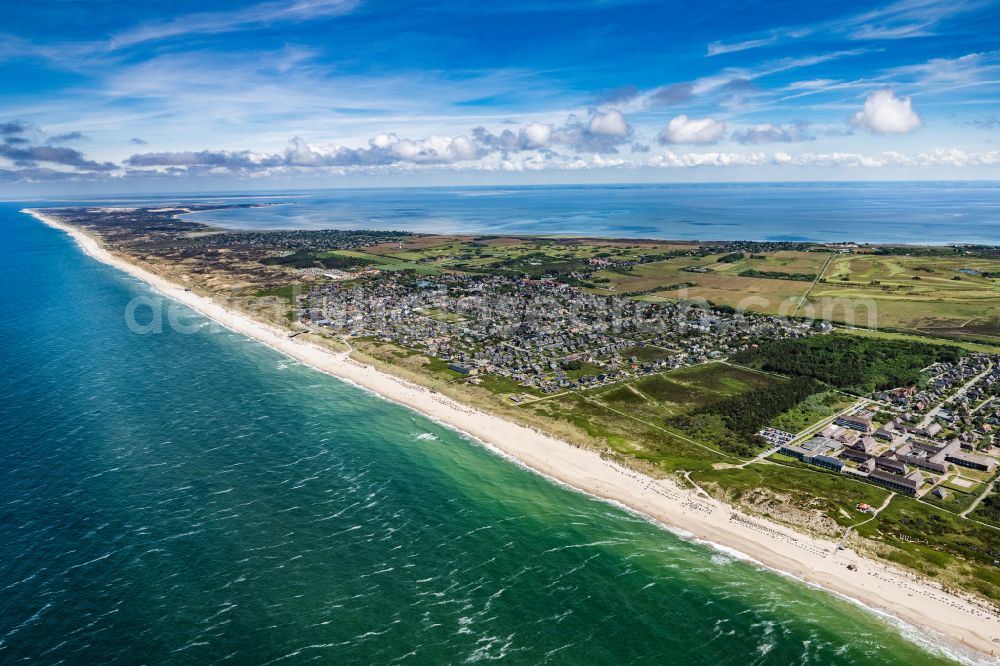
x=811 y=560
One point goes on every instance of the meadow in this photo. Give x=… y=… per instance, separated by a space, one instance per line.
x=943 y=296
x=713 y=278
x=938 y=294
x=680 y=391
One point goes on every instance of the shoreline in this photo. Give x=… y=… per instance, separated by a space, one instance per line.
x=955 y=624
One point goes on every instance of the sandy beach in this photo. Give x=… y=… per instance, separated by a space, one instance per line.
x=965 y=629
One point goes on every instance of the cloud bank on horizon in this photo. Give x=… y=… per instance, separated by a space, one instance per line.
x=106 y=93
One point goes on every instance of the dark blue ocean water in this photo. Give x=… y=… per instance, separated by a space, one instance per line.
x=197 y=498
x=915 y=212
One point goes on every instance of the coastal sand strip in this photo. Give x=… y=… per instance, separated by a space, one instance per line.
x=947 y=622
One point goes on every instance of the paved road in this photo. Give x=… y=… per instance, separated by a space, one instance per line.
x=957 y=394
x=760 y=457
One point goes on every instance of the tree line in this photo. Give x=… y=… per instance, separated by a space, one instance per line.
x=849 y=362
x=732 y=423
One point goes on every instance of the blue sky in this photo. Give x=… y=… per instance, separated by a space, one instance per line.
x=117 y=96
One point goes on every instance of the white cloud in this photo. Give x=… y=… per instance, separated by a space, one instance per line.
x=254 y=16
x=942 y=157
x=770 y=133
x=609 y=123
x=955 y=157
x=692 y=130
x=720 y=48
x=811 y=84
x=838 y=159
x=885 y=113
x=388 y=154
x=897 y=20
x=435 y=150
x=537 y=134
x=768 y=68
x=601 y=132
x=382 y=150
x=965 y=69
x=902 y=19
x=603 y=162
x=386 y=148
x=732 y=86
x=713 y=159
x=580 y=142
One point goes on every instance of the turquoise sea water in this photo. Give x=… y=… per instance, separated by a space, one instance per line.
x=196 y=497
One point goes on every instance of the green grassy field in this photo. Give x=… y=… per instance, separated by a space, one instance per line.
x=929 y=295
x=625 y=432
x=388 y=262
x=960 y=485
x=721 y=282
x=285 y=296
x=956 y=501
x=647 y=353
x=988 y=510
x=525 y=255
x=442 y=315
x=811 y=410
x=679 y=391
x=912 y=337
